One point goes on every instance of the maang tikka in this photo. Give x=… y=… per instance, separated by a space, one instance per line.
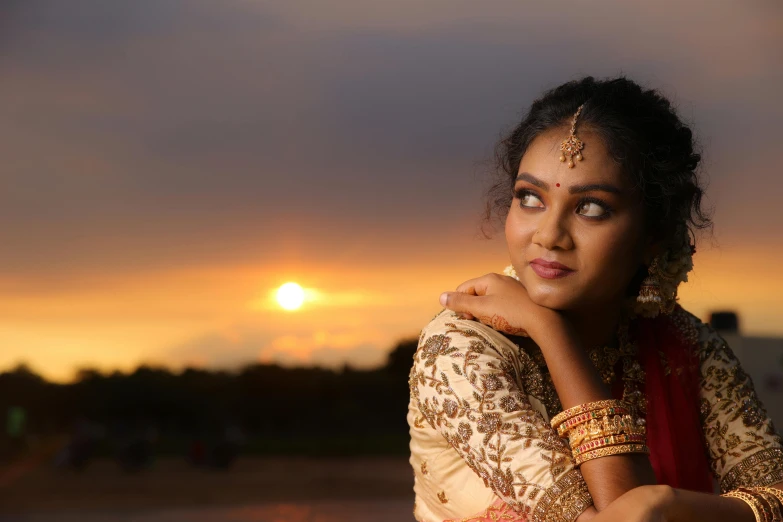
x=572 y=146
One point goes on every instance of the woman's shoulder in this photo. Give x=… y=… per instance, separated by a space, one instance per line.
x=447 y=328
x=707 y=341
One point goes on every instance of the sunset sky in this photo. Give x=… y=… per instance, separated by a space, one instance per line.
x=166 y=165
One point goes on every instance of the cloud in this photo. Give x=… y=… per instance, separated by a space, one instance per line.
x=171 y=132
x=237 y=346
x=326 y=349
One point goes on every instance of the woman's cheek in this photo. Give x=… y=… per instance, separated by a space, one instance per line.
x=618 y=257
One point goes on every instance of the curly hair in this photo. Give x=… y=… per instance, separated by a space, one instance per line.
x=641 y=131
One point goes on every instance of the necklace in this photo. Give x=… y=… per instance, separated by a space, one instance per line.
x=605 y=360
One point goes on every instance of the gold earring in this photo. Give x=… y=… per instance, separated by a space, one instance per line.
x=650 y=291
x=572 y=146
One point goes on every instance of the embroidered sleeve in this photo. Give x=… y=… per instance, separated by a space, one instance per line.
x=744 y=448
x=467 y=385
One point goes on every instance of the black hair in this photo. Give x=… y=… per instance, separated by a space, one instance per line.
x=642 y=132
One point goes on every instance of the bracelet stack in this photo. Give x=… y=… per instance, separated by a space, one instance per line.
x=600 y=429
x=766 y=503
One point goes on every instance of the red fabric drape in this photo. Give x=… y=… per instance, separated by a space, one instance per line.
x=674 y=433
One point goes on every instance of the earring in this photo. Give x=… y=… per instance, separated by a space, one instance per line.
x=650 y=291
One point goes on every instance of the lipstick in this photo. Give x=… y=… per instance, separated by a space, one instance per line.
x=550 y=269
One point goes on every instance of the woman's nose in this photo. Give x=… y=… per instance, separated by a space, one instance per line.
x=553 y=233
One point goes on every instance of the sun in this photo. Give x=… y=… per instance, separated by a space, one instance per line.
x=290 y=296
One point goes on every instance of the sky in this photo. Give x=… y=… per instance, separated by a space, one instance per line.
x=167 y=164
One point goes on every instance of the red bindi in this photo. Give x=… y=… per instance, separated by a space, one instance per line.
x=557 y=184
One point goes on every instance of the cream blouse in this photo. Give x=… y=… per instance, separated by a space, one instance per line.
x=482 y=447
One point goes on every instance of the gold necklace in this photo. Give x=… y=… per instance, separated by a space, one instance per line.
x=605 y=360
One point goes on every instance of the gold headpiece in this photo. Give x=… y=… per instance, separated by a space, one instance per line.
x=572 y=145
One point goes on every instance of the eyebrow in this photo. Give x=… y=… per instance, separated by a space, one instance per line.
x=574 y=189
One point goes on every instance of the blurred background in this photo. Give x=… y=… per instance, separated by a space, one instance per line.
x=169 y=165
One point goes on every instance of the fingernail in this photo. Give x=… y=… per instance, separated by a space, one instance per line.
x=444 y=297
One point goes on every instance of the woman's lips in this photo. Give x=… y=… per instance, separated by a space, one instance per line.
x=550 y=269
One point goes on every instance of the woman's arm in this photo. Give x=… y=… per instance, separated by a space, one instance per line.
x=504 y=304
x=663 y=503
x=577 y=382
x=690 y=506
x=656 y=503
x=466 y=384
x=743 y=446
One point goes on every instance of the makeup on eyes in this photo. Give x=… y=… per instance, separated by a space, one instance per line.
x=520 y=193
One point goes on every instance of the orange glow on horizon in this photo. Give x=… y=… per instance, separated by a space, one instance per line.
x=208 y=318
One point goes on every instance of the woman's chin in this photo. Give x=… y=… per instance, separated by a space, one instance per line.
x=551 y=299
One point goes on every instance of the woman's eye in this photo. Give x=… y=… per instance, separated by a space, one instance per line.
x=591 y=209
x=528 y=199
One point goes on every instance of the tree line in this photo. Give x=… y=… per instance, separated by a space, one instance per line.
x=266 y=402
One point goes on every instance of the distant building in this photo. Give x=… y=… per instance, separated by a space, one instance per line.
x=762 y=358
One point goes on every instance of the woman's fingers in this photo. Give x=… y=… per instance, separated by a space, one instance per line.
x=476 y=286
x=465 y=305
x=468 y=287
x=460 y=302
x=475 y=306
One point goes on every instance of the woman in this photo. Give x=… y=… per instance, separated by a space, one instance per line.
x=574 y=387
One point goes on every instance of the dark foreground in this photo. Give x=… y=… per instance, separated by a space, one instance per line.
x=289 y=489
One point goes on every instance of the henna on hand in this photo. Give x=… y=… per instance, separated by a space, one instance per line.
x=500 y=324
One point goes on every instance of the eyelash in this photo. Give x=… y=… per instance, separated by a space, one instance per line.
x=607 y=209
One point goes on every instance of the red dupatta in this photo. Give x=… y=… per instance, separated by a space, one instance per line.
x=674 y=432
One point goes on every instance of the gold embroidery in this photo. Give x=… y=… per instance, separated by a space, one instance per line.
x=535 y=377
x=763 y=468
x=442 y=497
x=489 y=420
x=667 y=369
x=424 y=468
x=565 y=500
x=495 y=513
x=605 y=360
x=742 y=443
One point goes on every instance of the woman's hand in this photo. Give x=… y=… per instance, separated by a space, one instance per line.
x=640 y=504
x=500 y=302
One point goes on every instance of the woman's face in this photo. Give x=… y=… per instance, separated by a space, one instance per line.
x=575 y=235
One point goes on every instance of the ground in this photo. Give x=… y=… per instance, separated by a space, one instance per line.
x=279 y=489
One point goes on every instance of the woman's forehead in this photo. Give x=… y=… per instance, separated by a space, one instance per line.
x=541 y=160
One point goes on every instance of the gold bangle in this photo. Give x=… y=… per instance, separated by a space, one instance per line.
x=563 y=416
x=612 y=440
x=769 y=498
x=584 y=418
x=611 y=450
x=750 y=500
x=775 y=492
x=594 y=429
x=578 y=440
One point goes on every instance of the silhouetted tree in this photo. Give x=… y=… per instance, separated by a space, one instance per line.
x=196 y=406
x=400 y=358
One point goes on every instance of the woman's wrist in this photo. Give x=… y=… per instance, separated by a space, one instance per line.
x=665 y=498
x=684 y=505
x=553 y=334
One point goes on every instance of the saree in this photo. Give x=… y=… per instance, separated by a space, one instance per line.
x=481 y=444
